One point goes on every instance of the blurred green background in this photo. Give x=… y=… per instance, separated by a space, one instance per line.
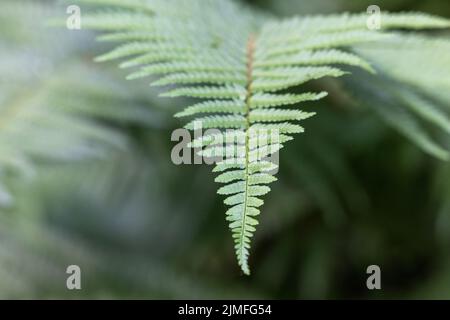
x=86 y=179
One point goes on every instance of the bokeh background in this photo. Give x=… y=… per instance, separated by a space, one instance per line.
x=86 y=179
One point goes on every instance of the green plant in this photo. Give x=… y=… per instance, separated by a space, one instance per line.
x=351 y=192
x=242 y=62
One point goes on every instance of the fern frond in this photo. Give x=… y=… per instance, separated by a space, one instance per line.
x=318 y=57
x=55 y=107
x=275 y=115
x=202 y=77
x=237 y=59
x=222 y=92
x=395 y=57
x=280 y=79
x=266 y=100
x=214 y=106
x=229 y=121
x=416 y=69
x=290 y=30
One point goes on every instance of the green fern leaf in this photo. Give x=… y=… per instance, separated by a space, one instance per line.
x=238 y=59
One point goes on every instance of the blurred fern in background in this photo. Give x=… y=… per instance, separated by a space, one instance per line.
x=86 y=176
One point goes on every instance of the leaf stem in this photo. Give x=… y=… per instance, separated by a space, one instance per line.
x=250 y=60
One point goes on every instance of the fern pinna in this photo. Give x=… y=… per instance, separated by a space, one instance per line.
x=241 y=62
